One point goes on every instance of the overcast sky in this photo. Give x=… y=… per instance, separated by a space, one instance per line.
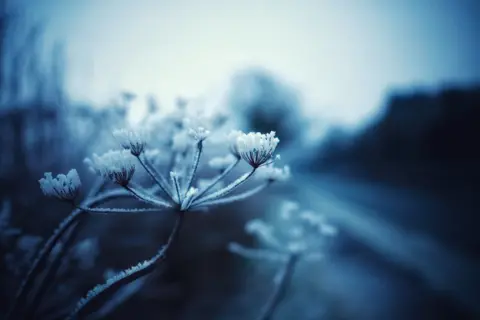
x=342 y=55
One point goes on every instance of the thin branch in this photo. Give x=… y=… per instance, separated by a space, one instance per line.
x=53 y=268
x=196 y=161
x=41 y=258
x=237 y=197
x=256 y=254
x=284 y=278
x=218 y=178
x=226 y=190
x=177 y=187
x=156 y=176
x=107 y=211
x=145 y=197
x=126 y=276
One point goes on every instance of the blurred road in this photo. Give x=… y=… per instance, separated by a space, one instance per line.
x=391 y=260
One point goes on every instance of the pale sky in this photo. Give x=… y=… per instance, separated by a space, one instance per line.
x=342 y=55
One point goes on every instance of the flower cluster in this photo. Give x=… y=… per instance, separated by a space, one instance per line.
x=115 y=165
x=293 y=231
x=133 y=140
x=64 y=187
x=180 y=153
x=257 y=148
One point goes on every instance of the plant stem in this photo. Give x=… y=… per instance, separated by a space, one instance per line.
x=226 y=190
x=84 y=306
x=281 y=287
x=144 y=197
x=196 y=160
x=53 y=268
x=41 y=258
x=156 y=176
x=218 y=179
x=237 y=197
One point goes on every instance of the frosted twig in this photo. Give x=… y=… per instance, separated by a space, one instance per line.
x=237 y=197
x=256 y=254
x=156 y=176
x=196 y=160
x=281 y=285
x=226 y=190
x=126 y=276
x=218 y=178
x=41 y=258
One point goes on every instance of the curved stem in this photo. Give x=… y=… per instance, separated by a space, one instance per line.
x=41 y=258
x=106 y=211
x=278 y=294
x=257 y=254
x=53 y=268
x=144 y=197
x=196 y=160
x=156 y=176
x=237 y=197
x=126 y=276
x=218 y=178
x=226 y=190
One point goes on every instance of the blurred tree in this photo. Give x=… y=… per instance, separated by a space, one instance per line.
x=264 y=103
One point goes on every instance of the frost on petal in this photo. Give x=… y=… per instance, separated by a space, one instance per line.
x=257 y=148
x=133 y=140
x=114 y=165
x=221 y=163
x=63 y=187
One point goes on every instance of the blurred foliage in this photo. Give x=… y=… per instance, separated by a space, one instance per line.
x=418 y=138
x=264 y=103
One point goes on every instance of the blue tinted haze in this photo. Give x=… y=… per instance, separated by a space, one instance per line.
x=342 y=55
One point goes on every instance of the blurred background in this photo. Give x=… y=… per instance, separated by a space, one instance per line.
x=376 y=104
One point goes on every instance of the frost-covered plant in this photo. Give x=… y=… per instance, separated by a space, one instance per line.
x=181 y=193
x=293 y=235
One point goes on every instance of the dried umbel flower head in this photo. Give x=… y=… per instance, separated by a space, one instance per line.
x=134 y=141
x=64 y=187
x=293 y=230
x=257 y=148
x=115 y=165
x=199 y=133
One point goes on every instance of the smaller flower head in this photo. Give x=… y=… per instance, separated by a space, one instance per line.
x=134 y=141
x=63 y=187
x=232 y=142
x=199 y=133
x=257 y=148
x=117 y=166
x=221 y=163
x=270 y=173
